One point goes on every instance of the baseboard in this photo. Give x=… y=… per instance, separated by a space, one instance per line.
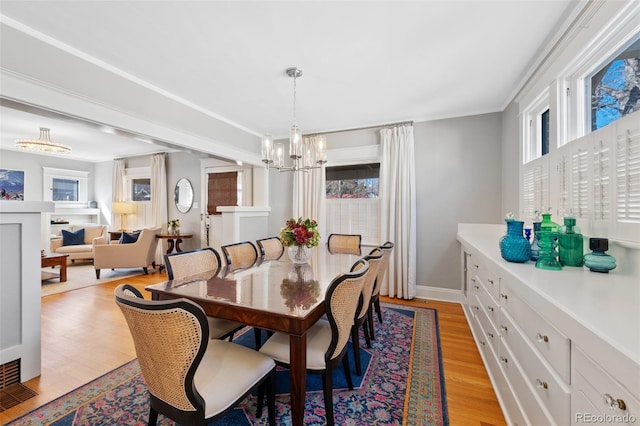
x=437 y=293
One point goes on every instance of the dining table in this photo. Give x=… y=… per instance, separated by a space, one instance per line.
x=275 y=295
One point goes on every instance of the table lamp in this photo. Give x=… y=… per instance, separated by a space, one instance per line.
x=123 y=208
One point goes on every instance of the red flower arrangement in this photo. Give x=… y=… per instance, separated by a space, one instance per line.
x=300 y=233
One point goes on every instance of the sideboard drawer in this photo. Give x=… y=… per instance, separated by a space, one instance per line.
x=595 y=390
x=554 y=346
x=549 y=388
x=491 y=335
x=533 y=411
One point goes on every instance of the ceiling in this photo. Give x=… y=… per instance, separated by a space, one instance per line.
x=364 y=62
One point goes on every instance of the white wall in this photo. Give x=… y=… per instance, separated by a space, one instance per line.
x=510 y=159
x=32 y=165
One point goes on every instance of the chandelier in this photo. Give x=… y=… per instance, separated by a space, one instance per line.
x=43 y=144
x=303 y=158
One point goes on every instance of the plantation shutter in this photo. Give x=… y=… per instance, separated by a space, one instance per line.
x=354 y=216
x=627 y=174
x=580 y=183
x=564 y=182
x=535 y=191
x=601 y=163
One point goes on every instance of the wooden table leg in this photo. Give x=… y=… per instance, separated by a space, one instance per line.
x=178 y=241
x=298 y=377
x=63 y=270
x=170 y=249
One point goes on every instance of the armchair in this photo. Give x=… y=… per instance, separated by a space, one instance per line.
x=139 y=254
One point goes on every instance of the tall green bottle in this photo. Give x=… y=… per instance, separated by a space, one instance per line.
x=570 y=243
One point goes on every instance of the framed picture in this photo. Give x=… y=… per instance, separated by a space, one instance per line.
x=11 y=184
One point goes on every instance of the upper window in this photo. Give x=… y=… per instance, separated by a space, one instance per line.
x=65 y=189
x=65 y=186
x=141 y=189
x=354 y=181
x=615 y=88
x=536 y=128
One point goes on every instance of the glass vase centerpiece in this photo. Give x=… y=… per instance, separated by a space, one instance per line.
x=300 y=236
x=514 y=247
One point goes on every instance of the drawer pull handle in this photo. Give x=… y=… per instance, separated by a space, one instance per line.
x=490 y=281
x=541 y=385
x=490 y=335
x=482 y=342
x=476 y=286
x=504 y=296
x=503 y=360
x=542 y=338
x=473 y=279
x=613 y=403
x=504 y=328
x=490 y=308
x=476 y=265
x=476 y=307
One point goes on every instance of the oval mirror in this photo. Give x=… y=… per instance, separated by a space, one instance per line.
x=184 y=195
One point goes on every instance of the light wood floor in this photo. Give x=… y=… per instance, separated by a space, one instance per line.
x=85 y=336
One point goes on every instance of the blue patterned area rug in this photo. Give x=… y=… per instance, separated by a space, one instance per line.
x=402 y=383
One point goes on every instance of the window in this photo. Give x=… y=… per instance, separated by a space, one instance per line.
x=65 y=189
x=141 y=189
x=615 y=87
x=544 y=132
x=65 y=186
x=355 y=181
x=536 y=128
x=353 y=206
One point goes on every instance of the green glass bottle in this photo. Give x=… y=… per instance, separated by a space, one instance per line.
x=570 y=243
x=547 y=225
x=547 y=254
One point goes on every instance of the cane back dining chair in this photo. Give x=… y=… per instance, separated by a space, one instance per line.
x=206 y=263
x=327 y=339
x=364 y=306
x=387 y=249
x=240 y=255
x=270 y=248
x=191 y=379
x=344 y=243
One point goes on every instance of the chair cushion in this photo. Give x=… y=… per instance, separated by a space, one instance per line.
x=218 y=327
x=227 y=371
x=72 y=238
x=129 y=237
x=318 y=340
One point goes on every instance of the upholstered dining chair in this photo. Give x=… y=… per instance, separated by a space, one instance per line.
x=386 y=248
x=191 y=379
x=240 y=255
x=344 y=243
x=270 y=248
x=327 y=340
x=206 y=262
x=362 y=314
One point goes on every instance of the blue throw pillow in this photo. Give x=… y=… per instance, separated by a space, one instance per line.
x=72 y=238
x=128 y=238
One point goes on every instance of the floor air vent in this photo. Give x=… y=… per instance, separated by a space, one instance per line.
x=12 y=392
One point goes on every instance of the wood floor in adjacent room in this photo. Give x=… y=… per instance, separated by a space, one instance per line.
x=85 y=336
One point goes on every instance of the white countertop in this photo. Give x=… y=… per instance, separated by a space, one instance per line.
x=591 y=308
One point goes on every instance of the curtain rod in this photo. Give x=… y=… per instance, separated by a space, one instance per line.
x=380 y=126
x=141 y=155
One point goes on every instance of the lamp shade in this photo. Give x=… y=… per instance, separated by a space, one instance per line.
x=125 y=207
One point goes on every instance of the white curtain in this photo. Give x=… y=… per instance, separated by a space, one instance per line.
x=398 y=209
x=309 y=189
x=117 y=189
x=159 y=199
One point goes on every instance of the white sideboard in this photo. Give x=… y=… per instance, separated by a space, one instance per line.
x=560 y=347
